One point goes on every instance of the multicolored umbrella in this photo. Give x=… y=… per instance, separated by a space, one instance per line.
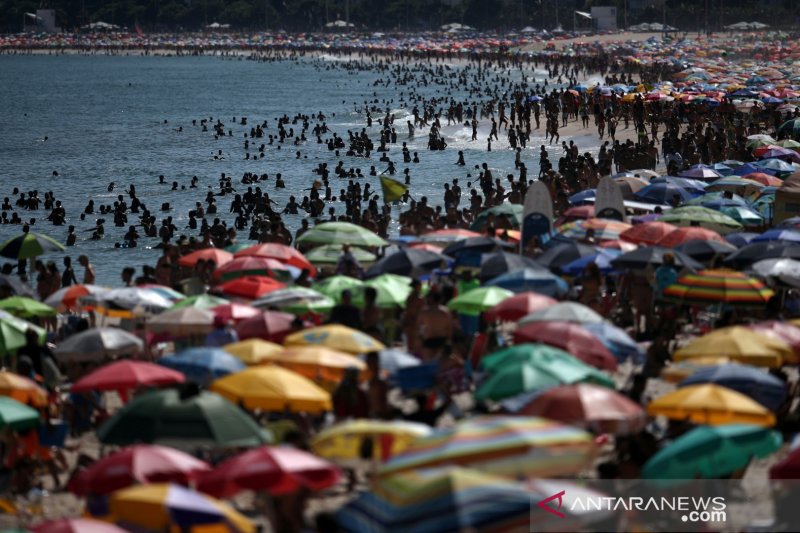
x=341 y=233
x=126 y=375
x=337 y=337
x=515 y=307
x=66 y=299
x=297 y=300
x=250 y=287
x=503 y=445
x=249 y=266
x=710 y=405
x=647 y=232
x=571 y=338
x=498 y=263
x=272 y=388
x=97 y=344
x=681 y=235
x=764 y=388
x=408 y=262
x=680 y=370
x=234 y=312
x=694 y=215
x=476 y=301
x=215 y=255
x=344 y=439
x=128 y=302
x=331 y=253
x=29 y=245
x=713 y=286
x=203 y=365
x=740 y=344
x=782 y=331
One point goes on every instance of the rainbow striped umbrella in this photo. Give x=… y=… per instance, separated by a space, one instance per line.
x=503 y=445
x=713 y=286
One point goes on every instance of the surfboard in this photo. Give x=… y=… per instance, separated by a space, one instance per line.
x=537 y=216
x=609 y=202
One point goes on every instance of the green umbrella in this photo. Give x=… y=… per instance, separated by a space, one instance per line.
x=29 y=245
x=788 y=143
x=393 y=290
x=16 y=415
x=200 y=301
x=332 y=287
x=182 y=417
x=512 y=212
x=330 y=254
x=320 y=306
x=296 y=300
x=791 y=126
x=341 y=233
x=26 y=307
x=702 y=216
x=743 y=215
x=12 y=332
x=478 y=300
x=711 y=452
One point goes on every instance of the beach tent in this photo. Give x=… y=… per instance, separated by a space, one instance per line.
x=787 y=199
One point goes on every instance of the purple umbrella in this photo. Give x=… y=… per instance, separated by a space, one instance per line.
x=781 y=153
x=700 y=173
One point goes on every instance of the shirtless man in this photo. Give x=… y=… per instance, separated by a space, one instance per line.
x=414 y=304
x=88 y=273
x=435 y=326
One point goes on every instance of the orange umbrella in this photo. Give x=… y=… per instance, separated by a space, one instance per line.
x=281 y=252
x=22 y=389
x=217 y=256
x=647 y=233
x=765 y=179
x=250 y=287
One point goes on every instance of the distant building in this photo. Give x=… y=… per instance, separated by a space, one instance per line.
x=42 y=20
x=604 y=18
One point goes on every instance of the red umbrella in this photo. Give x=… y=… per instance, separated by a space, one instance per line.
x=281 y=252
x=765 y=179
x=248 y=266
x=571 y=338
x=125 y=375
x=679 y=236
x=250 y=287
x=518 y=306
x=271 y=326
x=581 y=212
x=600 y=409
x=647 y=232
x=219 y=257
x=235 y=312
x=783 y=331
x=788 y=467
x=276 y=469
x=76 y=525
x=141 y=463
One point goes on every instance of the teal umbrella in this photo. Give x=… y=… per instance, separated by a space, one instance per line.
x=701 y=216
x=16 y=415
x=341 y=233
x=511 y=212
x=478 y=300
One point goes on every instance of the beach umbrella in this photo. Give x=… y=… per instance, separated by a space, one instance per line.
x=695 y=187
x=272 y=388
x=333 y=286
x=504 y=445
x=24 y=307
x=788 y=143
x=337 y=337
x=499 y=263
x=341 y=233
x=571 y=338
x=66 y=299
x=285 y=254
x=791 y=127
x=705 y=250
x=787 y=271
x=446 y=236
x=564 y=312
x=202 y=365
x=508 y=211
x=740 y=239
x=782 y=331
x=343 y=440
x=200 y=301
x=762 y=387
x=17 y=416
x=472 y=245
x=710 y=405
x=663 y=193
x=779 y=234
x=165 y=292
x=393 y=291
x=215 y=255
x=330 y=254
x=97 y=344
x=710 y=452
x=617 y=341
x=183 y=321
x=234 y=312
x=647 y=232
x=746 y=216
x=13 y=332
x=681 y=235
x=592 y=407
x=700 y=172
x=531 y=279
x=318 y=363
x=630 y=185
x=22 y=389
x=297 y=300
x=695 y=215
x=564 y=253
x=29 y=245
x=515 y=307
x=407 y=262
x=75 y=525
x=739 y=344
x=248 y=266
x=181 y=418
x=602 y=259
x=250 y=287
x=253 y=351
x=765 y=179
x=272 y=326
x=164 y=507
x=758 y=251
x=677 y=371
x=788 y=467
x=720 y=285
x=476 y=301
x=273 y=469
x=125 y=375
x=391 y=360
x=137 y=464
x=602 y=229
x=127 y=302
x=16 y=286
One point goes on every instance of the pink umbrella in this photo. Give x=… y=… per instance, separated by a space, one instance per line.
x=783 y=331
x=126 y=375
x=75 y=525
x=271 y=326
x=235 y=312
x=518 y=306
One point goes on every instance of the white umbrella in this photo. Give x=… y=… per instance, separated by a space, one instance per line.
x=137 y=300
x=289 y=296
x=783 y=269
x=98 y=343
x=564 y=312
x=56 y=300
x=183 y=321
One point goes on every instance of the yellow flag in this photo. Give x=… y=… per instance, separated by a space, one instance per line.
x=392 y=190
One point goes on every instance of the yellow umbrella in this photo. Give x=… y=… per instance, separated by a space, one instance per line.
x=343 y=441
x=711 y=405
x=162 y=506
x=22 y=389
x=739 y=344
x=253 y=351
x=272 y=388
x=317 y=362
x=337 y=337
x=677 y=372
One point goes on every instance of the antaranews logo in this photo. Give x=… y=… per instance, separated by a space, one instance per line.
x=557 y=496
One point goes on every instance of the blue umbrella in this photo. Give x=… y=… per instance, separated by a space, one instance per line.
x=764 y=388
x=583 y=196
x=740 y=238
x=617 y=341
x=529 y=279
x=745 y=93
x=776 y=166
x=602 y=259
x=662 y=193
x=692 y=185
x=700 y=172
x=722 y=169
x=203 y=365
x=756 y=80
x=391 y=360
x=779 y=234
x=749 y=168
x=793 y=222
x=772 y=100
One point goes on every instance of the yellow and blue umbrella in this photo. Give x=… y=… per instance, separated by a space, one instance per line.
x=337 y=337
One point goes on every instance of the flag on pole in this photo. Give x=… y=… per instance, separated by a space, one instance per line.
x=392 y=190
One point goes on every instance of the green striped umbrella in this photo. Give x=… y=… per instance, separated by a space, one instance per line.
x=29 y=245
x=200 y=301
x=12 y=332
x=26 y=307
x=341 y=233
x=701 y=216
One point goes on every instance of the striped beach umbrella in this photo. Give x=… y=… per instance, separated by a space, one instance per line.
x=720 y=285
x=29 y=245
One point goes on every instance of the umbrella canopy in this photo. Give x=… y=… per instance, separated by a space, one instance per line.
x=272 y=388
x=202 y=365
x=705 y=250
x=75 y=525
x=531 y=279
x=277 y=470
x=564 y=312
x=128 y=302
x=183 y=321
x=788 y=467
x=779 y=234
x=13 y=332
x=331 y=253
x=343 y=440
x=700 y=172
x=215 y=255
x=250 y=287
x=334 y=286
x=248 y=266
x=598 y=409
x=138 y=464
x=739 y=344
x=647 y=232
x=764 y=388
x=125 y=375
x=758 y=251
x=710 y=405
x=253 y=351
x=29 y=245
x=391 y=360
x=272 y=326
x=476 y=301
x=15 y=285
x=786 y=271
x=181 y=418
x=162 y=507
x=318 y=363
x=448 y=235
x=98 y=343
x=281 y=252
x=393 y=291
x=681 y=235
x=17 y=416
x=503 y=445
x=22 y=389
x=712 y=452
x=26 y=307
x=617 y=341
x=663 y=193
x=408 y=262
x=341 y=233
x=515 y=307
x=296 y=300
x=234 y=312
x=564 y=253
x=695 y=215
x=711 y=286
x=200 y=301
x=641 y=258
x=571 y=338
x=66 y=299
x=499 y=263
x=782 y=331
x=337 y=337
